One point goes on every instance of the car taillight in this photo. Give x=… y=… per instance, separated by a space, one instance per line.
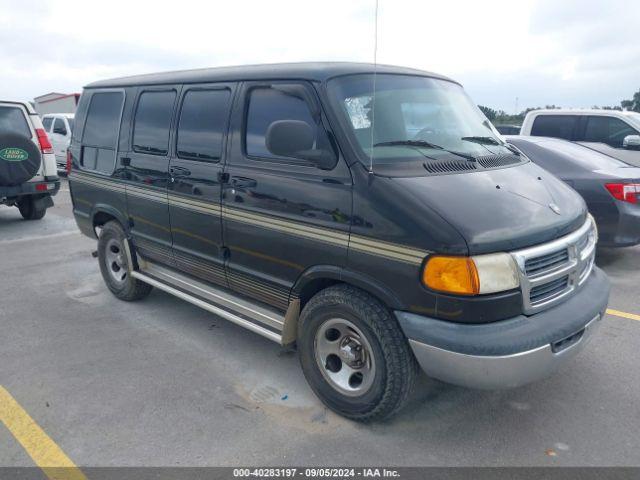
x=69 y=162
x=625 y=192
x=43 y=140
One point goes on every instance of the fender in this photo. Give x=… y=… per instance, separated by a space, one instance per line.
x=357 y=279
x=108 y=209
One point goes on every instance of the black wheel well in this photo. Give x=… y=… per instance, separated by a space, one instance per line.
x=313 y=287
x=101 y=218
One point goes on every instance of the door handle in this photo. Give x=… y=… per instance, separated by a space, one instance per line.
x=243 y=182
x=179 y=172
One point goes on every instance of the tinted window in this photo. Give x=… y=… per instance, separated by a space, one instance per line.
x=267 y=105
x=152 y=122
x=203 y=121
x=103 y=120
x=12 y=121
x=559 y=126
x=46 y=122
x=607 y=130
x=59 y=127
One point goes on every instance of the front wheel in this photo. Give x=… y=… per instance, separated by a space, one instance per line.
x=114 y=265
x=354 y=354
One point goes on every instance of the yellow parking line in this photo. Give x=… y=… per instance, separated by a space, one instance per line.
x=44 y=451
x=618 y=313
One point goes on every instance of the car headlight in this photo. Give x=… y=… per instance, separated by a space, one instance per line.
x=477 y=275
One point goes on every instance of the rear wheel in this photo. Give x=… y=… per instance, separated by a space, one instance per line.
x=28 y=210
x=114 y=265
x=354 y=355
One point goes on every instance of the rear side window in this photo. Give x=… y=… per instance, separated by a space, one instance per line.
x=152 y=122
x=12 y=121
x=558 y=126
x=607 y=130
x=101 y=131
x=59 y=127
x=46 y=122
x=203 y=121
x=267 y=105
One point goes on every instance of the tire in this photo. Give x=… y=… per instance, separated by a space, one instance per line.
x=28 y=211
x=360 y=386
x=114 y=265
x=20 y=159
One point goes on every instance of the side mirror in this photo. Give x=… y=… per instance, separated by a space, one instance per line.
x=60 y=131
x=631 y=142
x=295 y=138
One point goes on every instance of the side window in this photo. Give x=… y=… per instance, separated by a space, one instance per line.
x=607 y=130
x=101 y=131
x=152 y=122
x=46 y=123
x=59 y=127
x=203 y=122
x=558 y=126
x=268 y=105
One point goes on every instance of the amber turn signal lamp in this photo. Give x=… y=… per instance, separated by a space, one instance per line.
x=457 y=275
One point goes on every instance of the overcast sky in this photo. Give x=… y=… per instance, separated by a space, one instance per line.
x=571 y=53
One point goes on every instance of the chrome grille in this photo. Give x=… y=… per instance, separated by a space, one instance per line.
x=552 y=271
x=546 y=262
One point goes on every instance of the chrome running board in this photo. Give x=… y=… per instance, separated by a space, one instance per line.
x=256 y=318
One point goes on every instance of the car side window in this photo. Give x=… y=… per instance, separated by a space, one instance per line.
x=607 y=130
x=268 y=105
x=46 y=123
x=152 y=122
x=558 y=126
x=203 y=121
x=59 y=127
x=101 y=131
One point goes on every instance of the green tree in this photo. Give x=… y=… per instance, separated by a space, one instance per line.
x=490 y=113
x=633 y=104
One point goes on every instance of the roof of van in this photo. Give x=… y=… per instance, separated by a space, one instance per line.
x=314 y=71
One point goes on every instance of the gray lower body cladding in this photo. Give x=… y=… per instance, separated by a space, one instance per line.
x=511 y=352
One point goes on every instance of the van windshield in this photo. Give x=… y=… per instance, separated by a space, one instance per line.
x=412 y=118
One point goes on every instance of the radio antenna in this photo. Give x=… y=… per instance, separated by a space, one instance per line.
x=373 y=95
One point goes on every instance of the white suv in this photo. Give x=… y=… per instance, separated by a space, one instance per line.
x=612 y=132
x=59 y=127
x=28 y=176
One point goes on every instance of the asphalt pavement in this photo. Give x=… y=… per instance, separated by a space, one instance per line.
x=163 y=383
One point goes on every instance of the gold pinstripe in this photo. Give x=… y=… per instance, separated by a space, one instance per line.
x=359 y=243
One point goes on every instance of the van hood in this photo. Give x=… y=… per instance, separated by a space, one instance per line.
x=501 y=210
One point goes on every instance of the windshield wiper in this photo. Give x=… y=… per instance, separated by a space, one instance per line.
x=482 y=140
x=423 y=144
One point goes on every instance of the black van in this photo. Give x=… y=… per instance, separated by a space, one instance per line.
x=371 y=215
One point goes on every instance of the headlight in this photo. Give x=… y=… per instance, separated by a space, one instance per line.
x=477 y=275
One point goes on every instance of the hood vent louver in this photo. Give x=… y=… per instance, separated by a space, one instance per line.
x=497 y=161
x=449 y=166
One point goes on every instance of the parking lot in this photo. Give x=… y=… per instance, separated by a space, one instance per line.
x=164 y=383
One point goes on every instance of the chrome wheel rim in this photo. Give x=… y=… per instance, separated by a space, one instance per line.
x=345 y=357
x=116 y=262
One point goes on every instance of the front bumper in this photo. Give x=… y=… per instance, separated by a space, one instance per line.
x=511 y=352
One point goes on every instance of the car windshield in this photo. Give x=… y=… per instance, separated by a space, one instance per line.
x=412 y=117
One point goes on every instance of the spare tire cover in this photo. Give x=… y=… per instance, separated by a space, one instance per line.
x=20 y=159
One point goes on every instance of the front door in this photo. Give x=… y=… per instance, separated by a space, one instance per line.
x=280 y=215
x=147 y=173
x=195 y=174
